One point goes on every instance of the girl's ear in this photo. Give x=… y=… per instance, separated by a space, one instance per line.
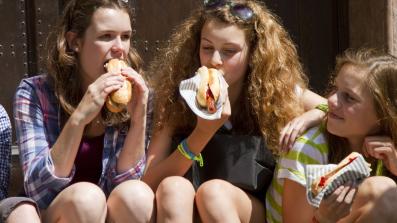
x=73 y=41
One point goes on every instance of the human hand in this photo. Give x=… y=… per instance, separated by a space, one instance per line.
x=383 y=148
x=95 y=96
x=137 y=106
x=337 y=205
x=298 y=126
x=211 y=126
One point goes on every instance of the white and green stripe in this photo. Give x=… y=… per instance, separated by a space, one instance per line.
x=310 y=148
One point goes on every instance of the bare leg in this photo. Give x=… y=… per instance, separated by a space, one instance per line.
x=23 y=213
x=81 y=202
x=175 y=200
x=131 y=201
x=220 y=201
x=374 y=201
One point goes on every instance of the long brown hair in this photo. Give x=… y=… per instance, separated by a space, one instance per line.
x=380 y=78
x=62 y=61
x=274 y=73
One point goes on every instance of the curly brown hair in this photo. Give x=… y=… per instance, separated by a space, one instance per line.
x=380 y=70
x=62 y=61
x=269 y=98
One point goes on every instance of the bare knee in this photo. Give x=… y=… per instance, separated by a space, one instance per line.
x=373 y=188
x=24 y=212
x=80 y=202
x=86 y=197
x=375 y=200
x=219 y=201
x=131 y=200
x=132 y=190
x=212 y=191
x=172 y=194
x=175 y=187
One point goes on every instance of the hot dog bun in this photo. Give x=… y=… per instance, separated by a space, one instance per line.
x=117 y=100
x=209 y=88
x=322 y=181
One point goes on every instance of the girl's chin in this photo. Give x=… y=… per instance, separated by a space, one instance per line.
x=334 y=129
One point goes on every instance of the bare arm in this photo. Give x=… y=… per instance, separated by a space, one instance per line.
x=311 y=99
x=295 y=207
x=300 y=124
x=63 y=152
x=161 y=165
x=134 y=144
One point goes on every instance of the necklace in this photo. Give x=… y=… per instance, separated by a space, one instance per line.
x=97 y=121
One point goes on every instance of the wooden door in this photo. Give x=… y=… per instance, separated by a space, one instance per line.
x=317 y=27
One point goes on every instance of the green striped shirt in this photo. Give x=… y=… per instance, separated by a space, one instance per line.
x=310 y=148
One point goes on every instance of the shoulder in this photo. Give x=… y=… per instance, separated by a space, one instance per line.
x=37 y=82
x=5 y=123
x=39 y=85
x=3 y=112
x=311 y=147
x=315 y=135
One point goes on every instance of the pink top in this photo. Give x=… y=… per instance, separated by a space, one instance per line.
x=88 y=161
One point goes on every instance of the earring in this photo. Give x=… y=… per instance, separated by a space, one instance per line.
x=76 y=49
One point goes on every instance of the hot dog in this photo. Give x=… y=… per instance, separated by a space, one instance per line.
x=322 y=181
x=117 y=100
x=209 y=88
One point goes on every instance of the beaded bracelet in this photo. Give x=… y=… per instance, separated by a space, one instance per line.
x=322 y=107
x=187 y=153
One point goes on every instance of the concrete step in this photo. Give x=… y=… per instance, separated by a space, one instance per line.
x=16 y=179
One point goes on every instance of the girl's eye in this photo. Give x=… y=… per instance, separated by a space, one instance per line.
x=105 y=37
x=126 y=37
x=207 y=48
x=347 y=97
x=229 y=52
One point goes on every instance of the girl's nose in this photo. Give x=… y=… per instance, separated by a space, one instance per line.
x=117 y=44
x=333 y=101
x=216 y=60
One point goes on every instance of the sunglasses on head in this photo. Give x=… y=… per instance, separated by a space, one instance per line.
x=241 y=11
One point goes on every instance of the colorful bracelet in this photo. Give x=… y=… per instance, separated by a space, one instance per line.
x=322 y=107
x=187 y=153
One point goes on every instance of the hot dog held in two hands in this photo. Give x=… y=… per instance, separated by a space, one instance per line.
x=209 y=88
x=117 y=100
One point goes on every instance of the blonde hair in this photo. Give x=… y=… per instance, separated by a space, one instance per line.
x=274 y=73
x=380 y=73
x=62 y=61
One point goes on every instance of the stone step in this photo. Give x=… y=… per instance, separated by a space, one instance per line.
x=16 y=178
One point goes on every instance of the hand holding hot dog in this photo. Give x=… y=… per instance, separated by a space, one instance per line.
x=117 y=100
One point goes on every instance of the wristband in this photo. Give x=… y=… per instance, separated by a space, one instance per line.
x=322 y=107
x=187 y=153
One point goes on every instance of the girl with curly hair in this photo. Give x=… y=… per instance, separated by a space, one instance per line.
x=267 y=89
x=82 y=163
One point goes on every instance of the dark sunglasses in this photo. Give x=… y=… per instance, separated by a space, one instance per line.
x=241 y=11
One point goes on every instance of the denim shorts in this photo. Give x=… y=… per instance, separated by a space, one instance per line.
x=9 y=204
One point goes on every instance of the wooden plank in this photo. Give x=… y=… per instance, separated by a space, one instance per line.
x=13 y=50
x=155 y=21
x=368 y=23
